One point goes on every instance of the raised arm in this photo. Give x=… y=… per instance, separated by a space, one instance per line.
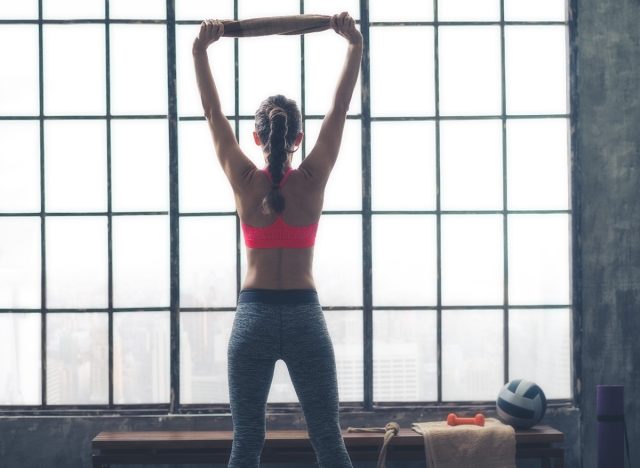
x=235 y=164
x=321 y=159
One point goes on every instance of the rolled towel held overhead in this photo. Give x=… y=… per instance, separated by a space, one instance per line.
x=272 y=25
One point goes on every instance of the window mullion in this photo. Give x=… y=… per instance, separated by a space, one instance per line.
x=174 y=220
x=367 y=299
x=505 y=216
x=436 y=68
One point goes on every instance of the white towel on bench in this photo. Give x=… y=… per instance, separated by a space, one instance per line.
x=468 y=446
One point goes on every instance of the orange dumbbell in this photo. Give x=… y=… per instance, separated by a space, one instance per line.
x=454 y=420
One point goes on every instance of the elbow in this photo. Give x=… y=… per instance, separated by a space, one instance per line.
x=341 y=106
x=211 y=113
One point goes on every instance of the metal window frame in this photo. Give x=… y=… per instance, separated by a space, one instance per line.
x=174 y=406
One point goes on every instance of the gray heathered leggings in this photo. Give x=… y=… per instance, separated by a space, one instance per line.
x=287 y=324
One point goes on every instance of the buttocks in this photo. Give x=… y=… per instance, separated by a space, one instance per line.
x=256 y=330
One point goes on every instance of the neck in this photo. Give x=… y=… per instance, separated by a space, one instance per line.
x=286 y=164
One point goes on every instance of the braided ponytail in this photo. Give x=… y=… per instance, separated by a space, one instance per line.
x=278 y=122
x=277 y=156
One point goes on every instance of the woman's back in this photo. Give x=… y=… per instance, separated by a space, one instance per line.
x=280 y=267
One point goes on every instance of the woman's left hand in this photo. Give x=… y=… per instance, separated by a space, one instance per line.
x=345 y=25
x=210 y=31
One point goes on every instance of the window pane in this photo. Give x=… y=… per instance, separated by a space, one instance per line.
x=203 y=184
x=77 y=358
x=140 y=9
x=403 y=166
x=74 y=69
x=201 y=9
x=75 y=165
x=20 y=361
x=535 y=10
x=400 y=10
x=472 y=260
x=471 y=165
x=141 y=357
x=19 y=166
x=139 y=165
x=262 y=74
x=332 y=7
x=472 y=355
x=404 y=260
x=539 y=259
x=221 y=61
x=536 y=69
x=282 y=390
x=72 y=9
x=344 y=188
x=339 y=237
x=345 y=329
x=469 y=10
x=540 y=349
x=258 y=8
x=470 y=51
x=141 y=261
x=138 y=69
x=204 y=337
x=405 y=364
x=24 y=9
x=323 y=60
x=77 y=262
x=208 y=261
x=538 y=164
x=407 y=71
x=19 y=81
x=20 y=262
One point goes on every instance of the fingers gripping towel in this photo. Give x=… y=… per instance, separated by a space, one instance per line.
x=270 y=25
x=468 y=446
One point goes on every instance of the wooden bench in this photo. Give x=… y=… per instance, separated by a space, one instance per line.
x=291 y=446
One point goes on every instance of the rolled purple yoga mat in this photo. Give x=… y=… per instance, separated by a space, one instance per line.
x=610 y=412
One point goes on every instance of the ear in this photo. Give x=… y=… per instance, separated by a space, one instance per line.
x=298 y=140
x=256 y=138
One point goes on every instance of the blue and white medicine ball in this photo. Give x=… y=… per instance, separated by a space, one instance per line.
x=521 y=403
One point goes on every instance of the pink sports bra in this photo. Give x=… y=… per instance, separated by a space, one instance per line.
x=279 y=234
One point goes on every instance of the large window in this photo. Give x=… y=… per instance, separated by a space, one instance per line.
x=443 y=256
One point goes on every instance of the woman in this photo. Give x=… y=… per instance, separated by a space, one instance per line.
x=278 y=314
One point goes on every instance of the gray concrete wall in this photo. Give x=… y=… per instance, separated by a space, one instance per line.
x=608 y=147
x=608 y=212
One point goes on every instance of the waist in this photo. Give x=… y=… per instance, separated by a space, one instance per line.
x=279 y=296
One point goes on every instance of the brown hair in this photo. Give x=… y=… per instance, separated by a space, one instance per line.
x=278 y=123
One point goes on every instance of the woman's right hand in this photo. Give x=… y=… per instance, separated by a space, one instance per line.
x=210 y=32
x=345 y=25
